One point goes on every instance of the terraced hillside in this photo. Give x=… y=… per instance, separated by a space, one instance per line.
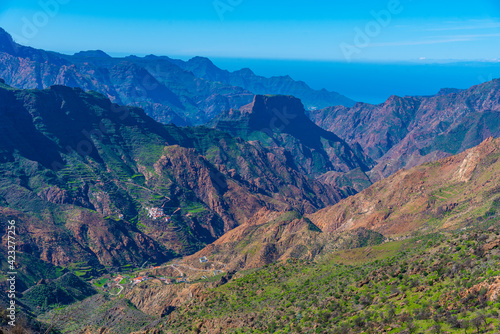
x=93 y=183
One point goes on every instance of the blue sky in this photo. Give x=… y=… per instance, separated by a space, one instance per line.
x=409 y=30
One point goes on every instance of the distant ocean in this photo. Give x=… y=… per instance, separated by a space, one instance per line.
x=372 y=82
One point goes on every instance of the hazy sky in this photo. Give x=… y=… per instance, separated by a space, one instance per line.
x=274 y=29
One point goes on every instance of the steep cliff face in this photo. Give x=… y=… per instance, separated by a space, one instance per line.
x=451 y=193
x=404 y=132
x=281 y=122
x=91 y=181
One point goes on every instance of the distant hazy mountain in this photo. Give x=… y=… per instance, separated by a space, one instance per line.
x=407 y=131
x=284 y=85
x=166 y=89
x=166 y=92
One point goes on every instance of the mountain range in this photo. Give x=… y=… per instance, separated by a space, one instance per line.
x=371 y=261
x=402 y=132
x=96 y=182
x=281 y=122
x=284 y=85
x=451 y=193
x=408 y=131
x=425 y=199
x=153 y=195
x=169 y=90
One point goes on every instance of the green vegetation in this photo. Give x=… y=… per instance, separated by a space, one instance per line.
x=464 y=135
x=436 y=283
x=96 y=312
x=30 y=270
x=194 y=208
x=100 y=282
x=62 y=291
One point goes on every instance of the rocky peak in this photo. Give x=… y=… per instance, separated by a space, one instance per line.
x=202 y=62
x=204 y=67
x=398 y=101
x=246 y=72
x=448 y=91
x=281 y=121
x=278 y=114
x=265 y=106
x=92 y=54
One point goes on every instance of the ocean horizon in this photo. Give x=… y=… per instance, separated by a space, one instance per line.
x=372 y=82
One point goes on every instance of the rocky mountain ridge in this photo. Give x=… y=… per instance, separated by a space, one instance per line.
x=168 y=90
x=281 y=85
x=93 y=182
x=451 y=193
x=280 y=122
x=408 y=131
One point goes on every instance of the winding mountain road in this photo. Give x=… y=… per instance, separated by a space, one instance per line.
x=121 y=289
x=174 y=267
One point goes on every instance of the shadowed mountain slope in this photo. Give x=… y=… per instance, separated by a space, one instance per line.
x=91 y=181
x=280 y=122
